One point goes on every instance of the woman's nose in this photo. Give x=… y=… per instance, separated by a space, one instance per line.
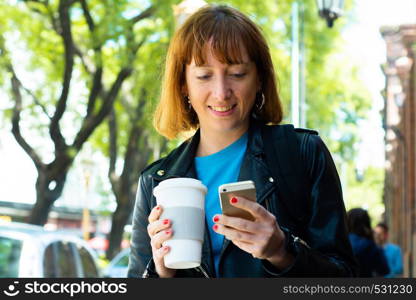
x=222 y=89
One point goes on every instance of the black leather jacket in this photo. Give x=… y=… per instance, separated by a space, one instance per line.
x=320 y=246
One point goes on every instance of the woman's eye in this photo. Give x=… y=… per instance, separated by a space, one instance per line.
x=203 y=77
x=238 y=75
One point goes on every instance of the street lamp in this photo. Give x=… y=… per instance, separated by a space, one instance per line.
x=330 y=10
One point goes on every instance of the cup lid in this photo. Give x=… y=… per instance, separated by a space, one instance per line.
x=182 y=182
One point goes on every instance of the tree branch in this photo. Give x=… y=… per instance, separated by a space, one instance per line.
x=95 y=90
x=112 y=126
x=113 y=92
x=29 y=92
x=87 y=15
x=136 y=133
x=128 y=108
x=18 y=106
x=97 y=76
x=88 y=65
x=138 y=46
x=140 y=106
x=65 y=22
x=91 y=122
x=16 y=121
x=46 y=2
x=144 y=14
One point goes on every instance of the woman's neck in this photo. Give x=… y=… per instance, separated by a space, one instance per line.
x=212 y=142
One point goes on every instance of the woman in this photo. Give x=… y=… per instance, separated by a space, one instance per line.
x=371 y=259
x=219 y=80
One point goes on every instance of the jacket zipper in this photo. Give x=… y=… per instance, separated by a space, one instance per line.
x=201 y=270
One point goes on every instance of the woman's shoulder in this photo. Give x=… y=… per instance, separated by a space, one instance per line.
x=288 y=132
x=309 y=138
x=301 y=131
x=153 y=167
x=312 y=147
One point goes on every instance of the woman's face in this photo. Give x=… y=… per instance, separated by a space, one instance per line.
x=222 y=95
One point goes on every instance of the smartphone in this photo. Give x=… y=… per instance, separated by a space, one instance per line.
x=244 y=189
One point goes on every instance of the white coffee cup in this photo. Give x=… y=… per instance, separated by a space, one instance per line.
x=183 y=202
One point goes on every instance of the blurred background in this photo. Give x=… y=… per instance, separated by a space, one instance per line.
x=79 y=80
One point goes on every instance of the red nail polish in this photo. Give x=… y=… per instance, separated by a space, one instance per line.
x=234 y=200
x=157 y=207
x=166 y=248
x=216 y=219
x=215 y=227
x=166 y=222
x=167 y=231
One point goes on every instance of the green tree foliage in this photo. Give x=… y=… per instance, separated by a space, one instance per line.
x=364 y=190
x=128 y=138
x=109 y=36
x=66 y=62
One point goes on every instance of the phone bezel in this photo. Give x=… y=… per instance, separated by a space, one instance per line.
x=241 y=188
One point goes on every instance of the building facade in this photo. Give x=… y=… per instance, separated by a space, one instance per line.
x=400 y=126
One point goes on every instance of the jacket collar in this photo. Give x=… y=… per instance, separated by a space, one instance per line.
x=254 y=166
x=180 y=163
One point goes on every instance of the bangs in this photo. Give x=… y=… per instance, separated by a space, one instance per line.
x=222 y=35
x=229 y=35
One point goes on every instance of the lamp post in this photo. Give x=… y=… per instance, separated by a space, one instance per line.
x=330 y=10
x=295 y=65
x=87 y=166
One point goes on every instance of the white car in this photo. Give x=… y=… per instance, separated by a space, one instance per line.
x=31 y=251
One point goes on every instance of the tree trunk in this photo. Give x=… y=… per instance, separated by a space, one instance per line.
x=49 y=186
x=125 y=193
x=48 y=190
x=119 y=220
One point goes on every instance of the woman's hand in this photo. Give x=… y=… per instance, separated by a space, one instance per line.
x=159 y=231
x=262 y=238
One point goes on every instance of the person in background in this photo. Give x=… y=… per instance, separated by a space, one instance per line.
x=392 y=252
x=371 y=259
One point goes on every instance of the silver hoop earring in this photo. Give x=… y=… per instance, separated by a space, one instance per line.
x=260 y=106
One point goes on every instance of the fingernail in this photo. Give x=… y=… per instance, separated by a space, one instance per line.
x=234 y=200
x=166 y=248
x=167 y=231
x=166 y=222
x=216 y=219
x=157 y=207
x=215 y=227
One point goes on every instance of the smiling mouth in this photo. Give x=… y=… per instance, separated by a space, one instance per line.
x=222 y=108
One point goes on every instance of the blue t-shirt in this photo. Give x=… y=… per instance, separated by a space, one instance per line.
x=394 y=259
x=214 y=170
